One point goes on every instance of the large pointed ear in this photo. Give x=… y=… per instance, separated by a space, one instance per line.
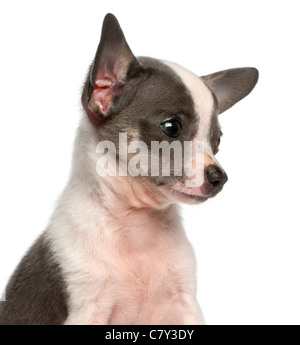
x=114 y=65
x=232 y=85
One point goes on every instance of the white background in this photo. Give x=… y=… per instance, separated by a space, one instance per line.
x=247 y=239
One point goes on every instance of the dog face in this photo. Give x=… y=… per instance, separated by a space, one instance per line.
x=155 y=101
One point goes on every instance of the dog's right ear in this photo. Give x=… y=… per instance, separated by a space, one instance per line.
x=231 y=85
x=106 y=88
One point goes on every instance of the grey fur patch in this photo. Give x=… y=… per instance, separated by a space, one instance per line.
x=215 y=129
x=36 y=293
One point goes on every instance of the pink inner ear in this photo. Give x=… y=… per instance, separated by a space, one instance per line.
x=103 y=94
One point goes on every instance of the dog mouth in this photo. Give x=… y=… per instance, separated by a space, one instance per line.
x=186 y=197
x=194 y=198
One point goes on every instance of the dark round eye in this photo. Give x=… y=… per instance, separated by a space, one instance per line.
x=172 y=128
x=219 y=139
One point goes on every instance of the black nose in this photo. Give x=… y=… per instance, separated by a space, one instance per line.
x=215 y=179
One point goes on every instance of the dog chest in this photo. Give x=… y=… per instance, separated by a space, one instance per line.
x=126 y=281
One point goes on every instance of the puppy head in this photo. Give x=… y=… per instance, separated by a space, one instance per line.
x=163 y=111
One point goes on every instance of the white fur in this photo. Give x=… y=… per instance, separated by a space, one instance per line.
x=124 y=255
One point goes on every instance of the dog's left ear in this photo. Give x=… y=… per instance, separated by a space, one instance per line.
x=232 y=85
x=105 y=90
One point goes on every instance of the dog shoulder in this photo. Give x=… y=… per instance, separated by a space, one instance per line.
x=35 y=293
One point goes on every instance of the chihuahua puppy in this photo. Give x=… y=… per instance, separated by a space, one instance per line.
x=115 y=251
